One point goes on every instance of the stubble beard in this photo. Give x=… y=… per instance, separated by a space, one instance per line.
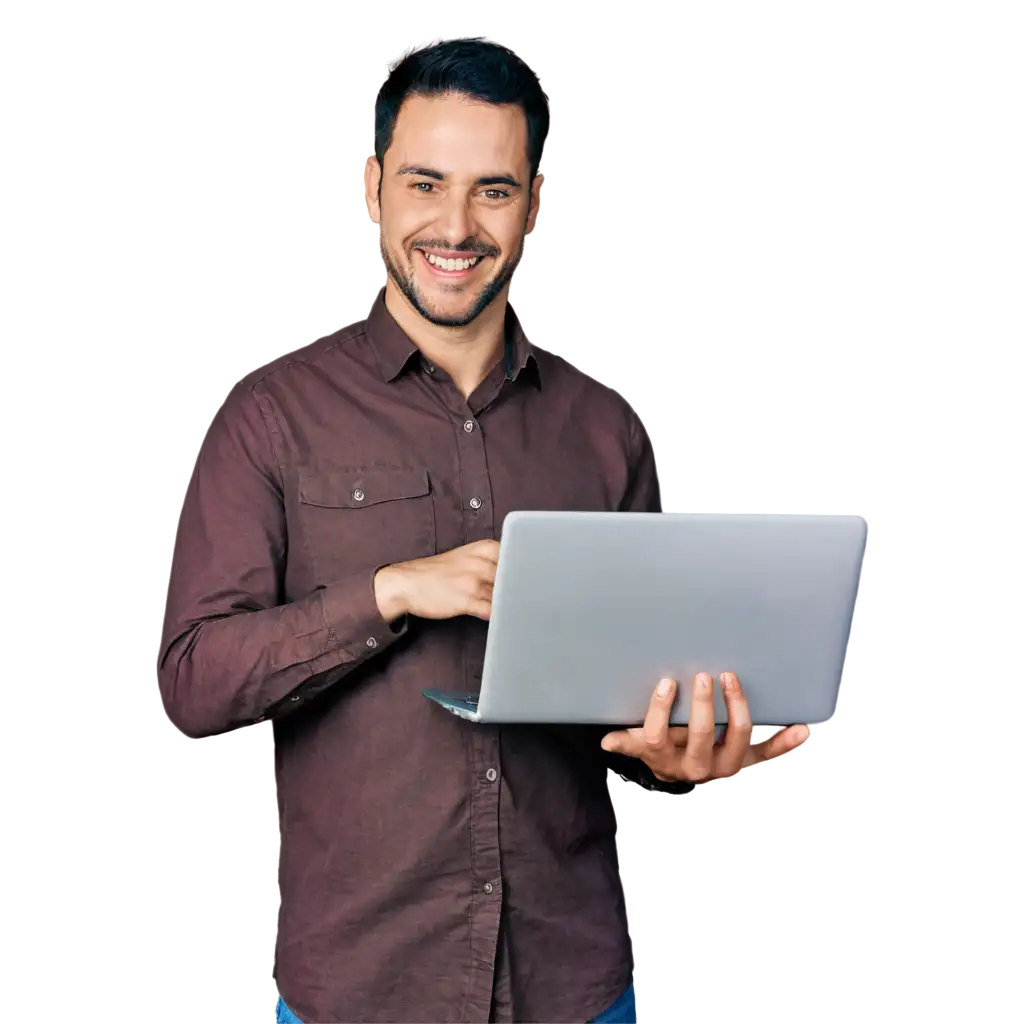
x=407 y=285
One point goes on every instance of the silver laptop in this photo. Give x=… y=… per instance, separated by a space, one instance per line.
x=591 y=609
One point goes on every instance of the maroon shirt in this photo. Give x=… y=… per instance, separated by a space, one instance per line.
x=431 y=869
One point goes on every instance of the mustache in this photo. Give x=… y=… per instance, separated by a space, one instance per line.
x=471 y=248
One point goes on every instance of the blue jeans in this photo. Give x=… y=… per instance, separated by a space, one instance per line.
x=622 y=1011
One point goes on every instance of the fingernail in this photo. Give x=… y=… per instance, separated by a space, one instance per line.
x=664 y=687
x=704 y=680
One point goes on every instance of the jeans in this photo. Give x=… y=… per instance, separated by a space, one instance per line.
x=622 y=1011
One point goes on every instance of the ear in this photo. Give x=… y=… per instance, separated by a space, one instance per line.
x=371 y=179
x=531 y=217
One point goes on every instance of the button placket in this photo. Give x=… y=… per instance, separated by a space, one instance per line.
x=476 y=485
x=474 y=501
x=485 y=867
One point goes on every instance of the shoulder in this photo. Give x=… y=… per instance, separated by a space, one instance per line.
x=262 y=392
x=598 y=404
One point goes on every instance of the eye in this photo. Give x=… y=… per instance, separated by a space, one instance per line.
x=423 y=186
x=496 y=193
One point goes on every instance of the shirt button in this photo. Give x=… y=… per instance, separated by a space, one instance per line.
x=468 y=426
x=358 y=494
x=488 y=888
x=491 y=774
x=475 y=502
x=428 y=366
x=296 y=698
x=372 y=642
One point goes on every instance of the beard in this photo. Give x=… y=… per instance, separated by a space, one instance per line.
x=490 y=291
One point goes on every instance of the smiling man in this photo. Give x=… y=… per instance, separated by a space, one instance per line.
x=336 y=555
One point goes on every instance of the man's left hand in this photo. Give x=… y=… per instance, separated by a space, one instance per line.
x=688 y=753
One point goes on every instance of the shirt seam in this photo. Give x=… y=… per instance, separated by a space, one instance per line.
x=269 y=422
x=292 y=360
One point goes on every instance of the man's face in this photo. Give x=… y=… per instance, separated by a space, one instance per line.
x=455 y=187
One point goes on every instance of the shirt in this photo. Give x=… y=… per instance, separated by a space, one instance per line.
x=431 y=868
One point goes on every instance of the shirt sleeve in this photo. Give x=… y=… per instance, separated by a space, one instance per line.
x=643 y=494
x=232 y=651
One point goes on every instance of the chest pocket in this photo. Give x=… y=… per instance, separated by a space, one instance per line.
x=354 y=519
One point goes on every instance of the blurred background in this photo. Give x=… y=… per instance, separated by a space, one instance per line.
x=807 y=220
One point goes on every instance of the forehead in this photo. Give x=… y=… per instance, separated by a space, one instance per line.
x=458 y=135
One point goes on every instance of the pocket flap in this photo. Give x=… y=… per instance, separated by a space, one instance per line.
x=359 y=488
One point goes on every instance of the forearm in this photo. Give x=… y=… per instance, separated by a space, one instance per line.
x=225 y=671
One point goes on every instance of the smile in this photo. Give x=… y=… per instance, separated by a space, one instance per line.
x=450 y=267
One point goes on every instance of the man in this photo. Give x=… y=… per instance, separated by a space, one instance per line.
x=336 y=555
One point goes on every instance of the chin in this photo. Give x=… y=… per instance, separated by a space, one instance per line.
x=449 y=314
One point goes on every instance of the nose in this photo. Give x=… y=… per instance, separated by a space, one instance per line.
x=455 y=221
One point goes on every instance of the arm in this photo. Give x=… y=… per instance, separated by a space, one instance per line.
x=231 y=652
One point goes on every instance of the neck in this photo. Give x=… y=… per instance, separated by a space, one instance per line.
x=466 y=353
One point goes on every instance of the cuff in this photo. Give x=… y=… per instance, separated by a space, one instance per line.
x=352 y=619
x=634 y=770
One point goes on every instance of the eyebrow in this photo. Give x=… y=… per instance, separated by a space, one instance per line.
x=492 y=179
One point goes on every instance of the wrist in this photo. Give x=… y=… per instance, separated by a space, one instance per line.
x=389 y=592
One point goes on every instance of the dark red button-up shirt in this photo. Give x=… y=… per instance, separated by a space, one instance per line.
x=431 y=869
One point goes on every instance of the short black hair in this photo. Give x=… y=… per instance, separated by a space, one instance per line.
x=471 y=67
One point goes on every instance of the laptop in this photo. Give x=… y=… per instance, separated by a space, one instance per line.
x=591 y=609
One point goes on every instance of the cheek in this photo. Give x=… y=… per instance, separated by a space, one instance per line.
x=513 y=231
x=399 y=226
x=393 y=250
x=511 y=245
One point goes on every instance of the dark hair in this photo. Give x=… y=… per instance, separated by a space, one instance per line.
x=471 y=67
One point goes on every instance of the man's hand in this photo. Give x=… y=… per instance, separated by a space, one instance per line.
x=689 y=753
x=457 y=582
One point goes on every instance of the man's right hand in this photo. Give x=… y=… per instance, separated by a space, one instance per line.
x=457 y=582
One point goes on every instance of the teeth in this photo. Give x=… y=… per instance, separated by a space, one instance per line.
x=458 y=264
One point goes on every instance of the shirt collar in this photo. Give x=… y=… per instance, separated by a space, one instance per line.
x=394 y=348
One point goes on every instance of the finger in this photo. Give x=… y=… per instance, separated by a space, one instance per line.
x=486 y=549
x=729 y=757
x=624 y=741
x=476 y=587
x=484 y=569
x=655 y=729
x=700 y=739
x=763 y=739
x=786 y=742
x=631 y=741
x=480 y=608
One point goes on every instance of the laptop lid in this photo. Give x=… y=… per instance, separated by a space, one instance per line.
x=591 y=609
